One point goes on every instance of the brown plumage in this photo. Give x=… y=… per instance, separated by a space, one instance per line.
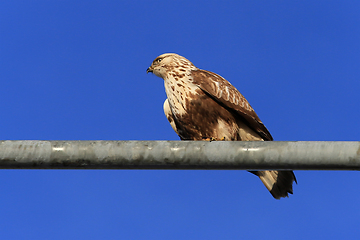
x=203 y=105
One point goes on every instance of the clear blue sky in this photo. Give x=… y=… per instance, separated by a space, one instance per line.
x=76 y=70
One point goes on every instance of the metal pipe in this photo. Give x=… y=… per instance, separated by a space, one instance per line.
x=179 y=155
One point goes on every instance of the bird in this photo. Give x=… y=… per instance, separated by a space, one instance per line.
x=202 y=105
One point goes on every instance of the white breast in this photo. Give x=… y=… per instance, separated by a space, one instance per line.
x=177 y=91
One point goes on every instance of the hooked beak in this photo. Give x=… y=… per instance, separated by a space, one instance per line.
x=149 y=70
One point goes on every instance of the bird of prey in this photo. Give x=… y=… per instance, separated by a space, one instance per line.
x=202 y=105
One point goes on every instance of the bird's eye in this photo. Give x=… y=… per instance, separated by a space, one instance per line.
x=159 y=60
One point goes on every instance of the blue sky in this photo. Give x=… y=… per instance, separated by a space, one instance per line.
x=76 y=70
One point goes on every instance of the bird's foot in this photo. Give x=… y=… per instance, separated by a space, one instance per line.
x=213 y=139
x=209 y=139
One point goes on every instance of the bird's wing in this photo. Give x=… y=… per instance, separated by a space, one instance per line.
x=228 y=96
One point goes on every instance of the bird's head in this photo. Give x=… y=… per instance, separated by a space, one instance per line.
x=168 y=62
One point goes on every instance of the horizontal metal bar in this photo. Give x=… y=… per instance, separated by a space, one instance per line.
x=179 y=155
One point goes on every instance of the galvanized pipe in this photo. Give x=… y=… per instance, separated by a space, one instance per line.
x=179 y=155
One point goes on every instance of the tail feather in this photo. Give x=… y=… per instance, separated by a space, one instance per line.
x=279 y=183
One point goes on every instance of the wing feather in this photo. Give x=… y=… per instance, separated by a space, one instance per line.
x=226 y=94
